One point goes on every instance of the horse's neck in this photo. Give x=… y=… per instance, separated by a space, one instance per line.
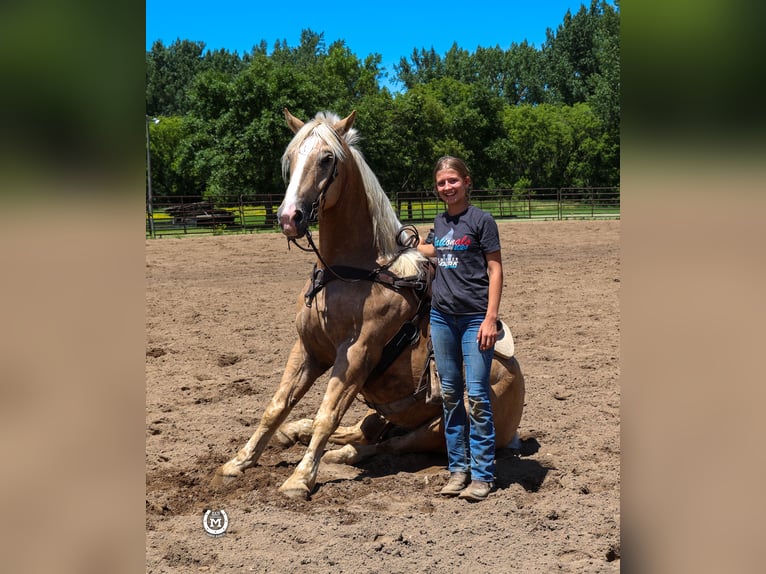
x=345 y=231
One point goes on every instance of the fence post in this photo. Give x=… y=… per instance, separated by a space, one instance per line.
x=149 y=198
x=183 y=217
x=529 y=204
x=150 y=216
x=242 y=215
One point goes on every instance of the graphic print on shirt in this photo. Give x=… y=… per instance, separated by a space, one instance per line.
x=448 y=243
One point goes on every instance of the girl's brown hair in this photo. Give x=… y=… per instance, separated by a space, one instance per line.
x=457 y=164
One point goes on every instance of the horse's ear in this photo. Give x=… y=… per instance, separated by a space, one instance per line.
x=292 y=122
x=345 y=124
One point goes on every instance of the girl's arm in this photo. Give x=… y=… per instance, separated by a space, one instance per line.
x=488 y=331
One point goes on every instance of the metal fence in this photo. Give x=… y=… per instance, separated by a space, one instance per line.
x=179 y=215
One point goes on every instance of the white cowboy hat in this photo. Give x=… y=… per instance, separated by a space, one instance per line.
x=504 y=344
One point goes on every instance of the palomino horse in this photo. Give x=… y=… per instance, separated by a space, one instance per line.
x=367 y=284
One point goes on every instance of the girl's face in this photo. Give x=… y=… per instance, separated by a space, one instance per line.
x=452 y=189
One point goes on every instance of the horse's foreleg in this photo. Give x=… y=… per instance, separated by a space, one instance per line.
x=341 y=390
x=300 y=373
x=360 y=441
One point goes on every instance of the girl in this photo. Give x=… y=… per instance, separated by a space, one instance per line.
x=464 y=308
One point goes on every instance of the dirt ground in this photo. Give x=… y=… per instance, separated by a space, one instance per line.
x=220 y=321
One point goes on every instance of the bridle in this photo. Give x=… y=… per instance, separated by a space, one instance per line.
x=380 y=274
x=406 y=242
x=314 y=213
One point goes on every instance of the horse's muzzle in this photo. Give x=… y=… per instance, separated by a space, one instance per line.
x=292 y=221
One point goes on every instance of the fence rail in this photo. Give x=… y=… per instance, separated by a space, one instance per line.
x=179 y=215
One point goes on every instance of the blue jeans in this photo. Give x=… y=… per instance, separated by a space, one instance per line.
x=470 y=447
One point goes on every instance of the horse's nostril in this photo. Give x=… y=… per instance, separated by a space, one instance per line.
x=298 y=216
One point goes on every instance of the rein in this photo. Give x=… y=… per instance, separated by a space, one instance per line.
x=380 y=274
x=313 y=248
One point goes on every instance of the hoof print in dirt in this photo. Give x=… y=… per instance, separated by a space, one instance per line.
x=228 y=359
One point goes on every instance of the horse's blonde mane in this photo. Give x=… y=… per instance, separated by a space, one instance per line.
x=385 y=223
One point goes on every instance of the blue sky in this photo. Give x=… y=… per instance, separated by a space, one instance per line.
x=392 y=28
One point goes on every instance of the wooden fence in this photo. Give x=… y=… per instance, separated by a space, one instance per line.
x=251 y=213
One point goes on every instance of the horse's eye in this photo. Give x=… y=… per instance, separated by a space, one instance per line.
x=326 y=159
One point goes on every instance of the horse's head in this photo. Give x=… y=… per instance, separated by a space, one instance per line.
x=312 y=161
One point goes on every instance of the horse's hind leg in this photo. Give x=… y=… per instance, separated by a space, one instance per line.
x=302 y=430
x=300 y=373
x=428 y=437
x=294 y=431
x=368 y=429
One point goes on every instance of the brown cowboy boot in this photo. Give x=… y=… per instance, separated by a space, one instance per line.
x=476 y=491
x=457 y=482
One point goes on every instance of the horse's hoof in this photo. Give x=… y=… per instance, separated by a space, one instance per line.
x=344 y=455
x=295 y=493
x=283 y=439
x=221 y=480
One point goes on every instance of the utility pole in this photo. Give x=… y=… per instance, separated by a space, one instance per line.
x=149 y=201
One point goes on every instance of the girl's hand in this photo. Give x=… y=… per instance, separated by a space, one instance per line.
x=487 y=336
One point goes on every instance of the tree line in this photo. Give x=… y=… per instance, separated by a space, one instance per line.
x=521 y=117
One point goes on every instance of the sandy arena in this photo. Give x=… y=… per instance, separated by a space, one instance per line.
x=220 y=322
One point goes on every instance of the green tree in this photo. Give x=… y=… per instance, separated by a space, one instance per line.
x=604 y=96
x=380 y=137
x=544 y=118
x=170 y=71
x=236 y=128
x=168 y=178
x=583 y=47
x=554 y=146
x=421 y=122
x=424 y=66
x=583 y=65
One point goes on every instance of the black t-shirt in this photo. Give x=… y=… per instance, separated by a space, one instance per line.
x=461 y=285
